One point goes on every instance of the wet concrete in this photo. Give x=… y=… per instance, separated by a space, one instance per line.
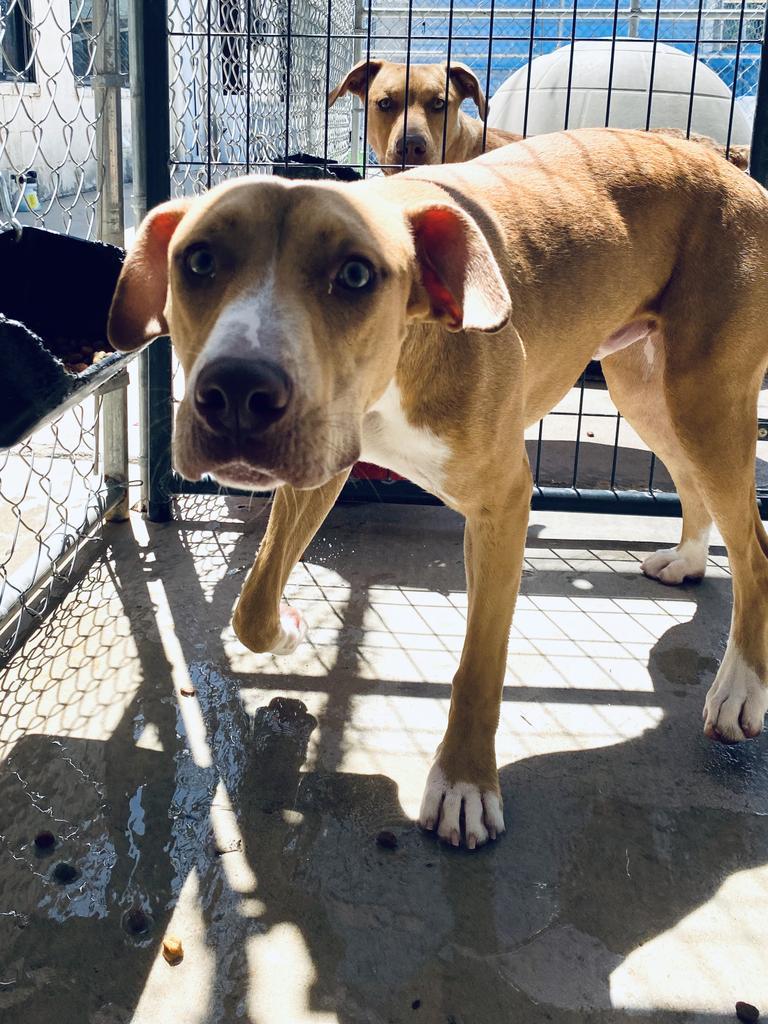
x=241 y=815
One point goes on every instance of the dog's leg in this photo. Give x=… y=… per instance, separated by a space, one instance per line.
x=635 y=381
x=261 y=622
x=698 y=412
x=464 y=776
x=721 y=443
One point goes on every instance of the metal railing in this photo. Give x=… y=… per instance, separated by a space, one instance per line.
x=61 y=119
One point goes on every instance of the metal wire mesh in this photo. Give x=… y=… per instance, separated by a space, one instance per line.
x=248 y=85
x=53 y=490
x=249 y=82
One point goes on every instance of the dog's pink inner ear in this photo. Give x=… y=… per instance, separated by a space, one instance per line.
x=356 y=80
x=458 y=271
x=434 y=231
x=136 y=315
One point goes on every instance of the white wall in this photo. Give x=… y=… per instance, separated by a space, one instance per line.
x=47 y=125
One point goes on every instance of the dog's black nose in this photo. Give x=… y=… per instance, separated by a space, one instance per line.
x=241 y=395
x=415 y=146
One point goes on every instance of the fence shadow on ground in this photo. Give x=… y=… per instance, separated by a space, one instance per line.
x=607 y=848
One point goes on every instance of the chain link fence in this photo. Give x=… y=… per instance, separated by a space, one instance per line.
x=248 y=84
x=63 y=73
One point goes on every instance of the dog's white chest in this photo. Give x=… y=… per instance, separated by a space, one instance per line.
x=391 y=442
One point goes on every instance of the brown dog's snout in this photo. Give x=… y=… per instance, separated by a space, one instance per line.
x=415 y=146
x=242 y=396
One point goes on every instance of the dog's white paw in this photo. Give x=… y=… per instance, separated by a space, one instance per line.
x=293 y=630
x=737 y=701
x=442 y=805
x=688 y=561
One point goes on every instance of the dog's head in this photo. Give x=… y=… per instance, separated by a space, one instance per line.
x=411 y=132
x=287 y=304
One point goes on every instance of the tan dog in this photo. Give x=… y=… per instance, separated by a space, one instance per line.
x=422 y=322
x=405 y=137
x=420 y=141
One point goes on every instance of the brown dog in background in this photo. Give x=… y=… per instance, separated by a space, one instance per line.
x=403 y=140
x=400 y=139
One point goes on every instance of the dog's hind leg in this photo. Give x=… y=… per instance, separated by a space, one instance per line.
x=635 y=380
x=719 y=435
x=701 y=419
x=463 y=781
x=261 y=622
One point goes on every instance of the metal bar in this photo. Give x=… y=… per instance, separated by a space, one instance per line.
x=448 y=84
x=288 y=42
x=354 y=125
x=695 y=68
x=556 y=13
x=758 y=165
x=367 y=92
x=114 y=419
x=739 y=44
x=460 y=36
x=139 y=203
x=107 y=84
x=652 y=75
x=208 y=89
x=407 y=93
x=555 y=499
x=488 y=71
x=248 y=27
x=155 y=139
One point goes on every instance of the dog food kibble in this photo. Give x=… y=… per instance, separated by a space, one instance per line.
x=415 y=1004
x=747 y=1012
x=387 y=839
x=136 y=921
x=187 y=691
x=65 y=873
x=173 y=951
x=45 y=842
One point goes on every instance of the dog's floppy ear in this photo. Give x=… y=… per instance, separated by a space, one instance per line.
x=461 y=285
x=467 y=83
x=136 y=315
x=355 y=81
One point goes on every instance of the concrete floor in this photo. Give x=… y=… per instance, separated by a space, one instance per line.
x=632 y=884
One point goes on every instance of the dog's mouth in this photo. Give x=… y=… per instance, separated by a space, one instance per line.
x=394 y=162
x=302 y=455
x=242 y=475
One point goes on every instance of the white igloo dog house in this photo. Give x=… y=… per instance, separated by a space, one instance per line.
x=673 y=75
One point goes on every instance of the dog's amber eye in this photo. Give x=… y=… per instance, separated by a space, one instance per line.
x=438 y=103
x=385 y=103
x=355 y=274
x=199 y=261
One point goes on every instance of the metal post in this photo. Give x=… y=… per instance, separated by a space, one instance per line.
x=139 y=208
x=152 y=185
x=357 y=51
x=635 y=10
x=758 y=161
x=107 y=84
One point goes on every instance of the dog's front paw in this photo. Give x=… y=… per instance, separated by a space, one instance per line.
x=442 y=805
x=737 y=701
x=253 y=633
x=293 y=630
x=673 y=566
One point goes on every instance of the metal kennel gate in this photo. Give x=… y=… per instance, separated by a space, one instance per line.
x=63 y=67
x=248 y=81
